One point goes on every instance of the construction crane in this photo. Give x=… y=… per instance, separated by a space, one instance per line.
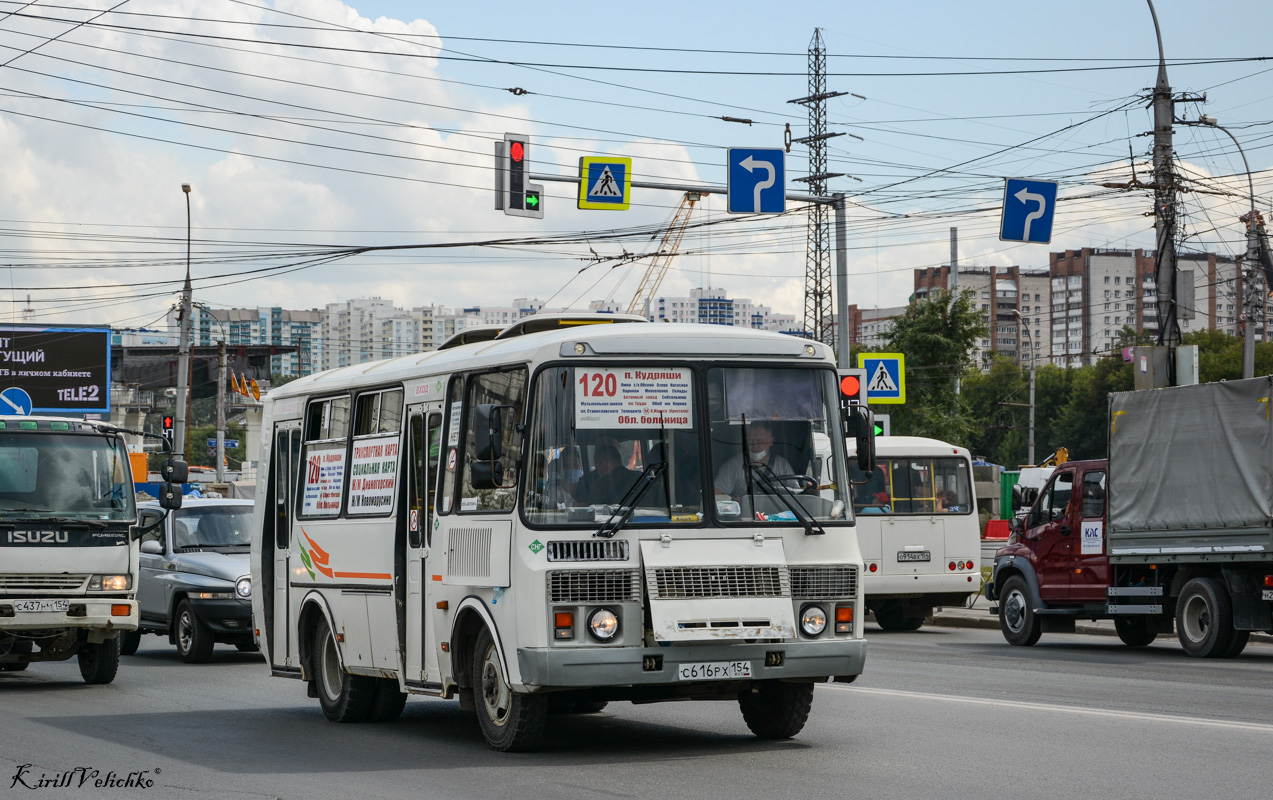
x=662 y=258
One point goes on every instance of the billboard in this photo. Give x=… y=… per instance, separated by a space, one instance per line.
x=54 y=369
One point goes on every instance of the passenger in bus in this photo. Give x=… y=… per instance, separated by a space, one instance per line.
x=732 y=479
x=609 y=481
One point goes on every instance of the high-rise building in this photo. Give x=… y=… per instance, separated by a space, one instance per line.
x=870 y=327
x=267 y=325
x=998 y=292
x=713 y=306
x=372 y=328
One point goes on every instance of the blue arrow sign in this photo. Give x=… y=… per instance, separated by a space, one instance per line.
x=1028 y=207
x=230 y=444
x=757 y=180
x=15 y=401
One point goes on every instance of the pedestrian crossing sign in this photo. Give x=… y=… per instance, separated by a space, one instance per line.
x=885 y=377
x=605 y=183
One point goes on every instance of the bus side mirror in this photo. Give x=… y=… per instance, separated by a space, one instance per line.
x=861 y=426
x=488 y=433
x=175 y=470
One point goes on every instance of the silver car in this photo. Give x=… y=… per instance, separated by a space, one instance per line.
x=195 y=583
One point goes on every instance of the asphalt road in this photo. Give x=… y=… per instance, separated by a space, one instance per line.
x=941 y=713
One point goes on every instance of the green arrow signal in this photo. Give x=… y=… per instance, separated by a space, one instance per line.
x=877 y=429
x=532 y=200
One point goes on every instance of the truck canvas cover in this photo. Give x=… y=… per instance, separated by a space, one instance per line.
x=1191 y=471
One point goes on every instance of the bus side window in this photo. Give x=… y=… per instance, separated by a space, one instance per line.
x=320 y=487
x=504 y=388
x=434 y=437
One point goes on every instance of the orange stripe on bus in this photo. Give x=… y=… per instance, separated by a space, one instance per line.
x=374 y=575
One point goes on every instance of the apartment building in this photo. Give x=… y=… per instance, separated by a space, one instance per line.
x=266 y=325
x=372 y=328
x=1001 y=293
x=714 y=306
x=869 y=327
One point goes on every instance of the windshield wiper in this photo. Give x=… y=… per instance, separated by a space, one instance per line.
x=627 y=506
x=8 y=511
x=66 y=522
x=776 y=487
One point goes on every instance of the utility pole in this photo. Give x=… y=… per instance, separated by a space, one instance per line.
x=1165 y=208
x=1023 y=325
x=954 y=287
x=817 y=273
x=183 y=346
x=221 y=411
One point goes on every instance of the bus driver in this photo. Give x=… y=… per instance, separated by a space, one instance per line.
x=731 y=480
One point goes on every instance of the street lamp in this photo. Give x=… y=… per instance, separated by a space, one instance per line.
x=1252 y=256
x=183 y=348
x=1023 y=323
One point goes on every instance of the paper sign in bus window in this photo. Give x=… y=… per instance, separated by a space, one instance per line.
x=633 y=398
x=372 y=475
x=324 y=477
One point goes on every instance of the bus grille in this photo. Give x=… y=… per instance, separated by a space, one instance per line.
x=668 y=583
x=824 y=581
x=594 y=550
x=35 y=583
x=594 y=586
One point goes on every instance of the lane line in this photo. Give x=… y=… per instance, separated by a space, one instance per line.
x=1258 y=727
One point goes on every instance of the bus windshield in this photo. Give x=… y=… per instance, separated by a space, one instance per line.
x=64 y=475
x=913 y=486
x=610 y=437
x=767 y=427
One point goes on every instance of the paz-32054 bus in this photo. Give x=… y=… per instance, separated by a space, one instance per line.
x=566 y=514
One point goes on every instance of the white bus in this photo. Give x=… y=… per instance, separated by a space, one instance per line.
x=918 y=529
x=558 y=517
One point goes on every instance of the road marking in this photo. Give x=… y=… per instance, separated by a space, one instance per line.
x=1258 y=727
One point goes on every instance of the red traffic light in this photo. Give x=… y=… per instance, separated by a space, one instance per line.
x=850 y=386
x=168 y=422
x=516 y=151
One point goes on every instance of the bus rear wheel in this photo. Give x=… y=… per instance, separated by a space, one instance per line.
x=510 y=722
x=344 y=697
x=776 y=710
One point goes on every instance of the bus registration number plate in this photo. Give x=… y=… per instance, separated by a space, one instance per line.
x=714 y=670
x=41 y=605
x=915 y=555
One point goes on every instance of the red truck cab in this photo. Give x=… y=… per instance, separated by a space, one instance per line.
x=1055 y=567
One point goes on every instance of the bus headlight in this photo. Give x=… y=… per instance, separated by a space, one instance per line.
x=813 y=620
x=110 y=583
x=243 y=587
x=603 y=624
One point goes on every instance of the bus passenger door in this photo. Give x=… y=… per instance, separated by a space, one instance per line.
x=423 y=444
x=287 y=455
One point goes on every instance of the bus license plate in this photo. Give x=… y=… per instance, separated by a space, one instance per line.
x=41 y=605
x=915 y=555
x=714 y=671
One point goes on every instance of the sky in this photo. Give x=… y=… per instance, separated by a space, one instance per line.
x=309 y=129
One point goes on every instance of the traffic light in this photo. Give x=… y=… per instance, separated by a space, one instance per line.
x=515 y=195
x=853 y=386
x=169 y=429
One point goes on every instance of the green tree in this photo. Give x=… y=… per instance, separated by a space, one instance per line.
x=937 y=335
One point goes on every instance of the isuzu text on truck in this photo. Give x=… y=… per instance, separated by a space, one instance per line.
x=68 y=545
x=1174 y=530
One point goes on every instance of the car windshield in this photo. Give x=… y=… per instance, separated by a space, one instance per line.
x=773 y=458
x=913 y=486
x=70 y=475
x=605 y=439
x=212 y=526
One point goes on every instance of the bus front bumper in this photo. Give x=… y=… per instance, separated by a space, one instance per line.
x=582 y=667
x=111 y=613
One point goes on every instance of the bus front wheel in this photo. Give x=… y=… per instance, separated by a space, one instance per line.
x=776 y=710
x=510 y=722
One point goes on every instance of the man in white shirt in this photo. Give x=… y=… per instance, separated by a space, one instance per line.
x=732 y=479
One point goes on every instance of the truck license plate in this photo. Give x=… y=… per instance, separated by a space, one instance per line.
x=714 y=671
x=1267 y=594
x=41 y=605
x=915 y=555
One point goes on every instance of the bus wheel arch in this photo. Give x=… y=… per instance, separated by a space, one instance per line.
x=470 y=620
x=313 y=610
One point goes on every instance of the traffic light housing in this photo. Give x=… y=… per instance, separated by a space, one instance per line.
x=859 y=422
x=515 y=195
x=169 y=429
